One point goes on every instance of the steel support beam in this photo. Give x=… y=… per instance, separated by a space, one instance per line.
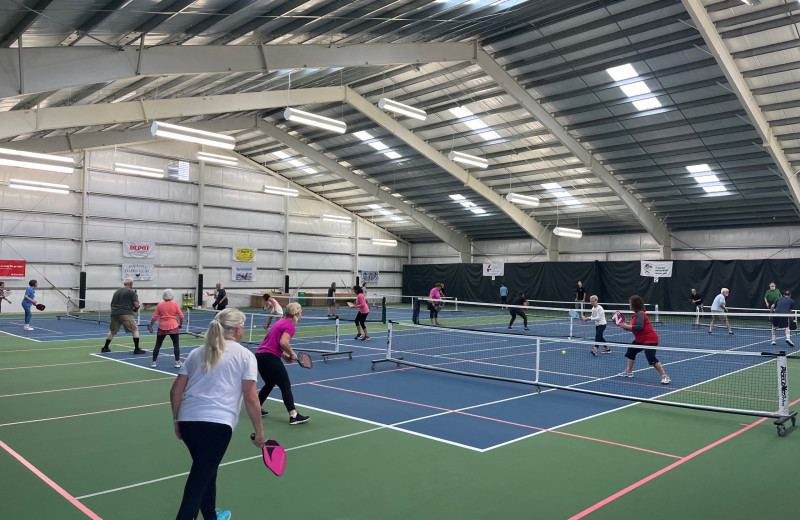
x=657 y=229
x=739 y=86
x=454 y=239
x=20 y=122
x=52 y=68
x=533 y=228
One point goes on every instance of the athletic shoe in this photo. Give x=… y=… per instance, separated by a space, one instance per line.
x=222 y=515
x=264 y=413
x=139 y=351
x=730 y=333
x=177 y=364
x=104 y=350
x=509 y=328
x=773 y=341
x=709 y=332
x=298 y=419
x=365 y=338
x=625 y=374
x=358 y=337
x=606 y=351
x=153 y=364
x=789 y=342
x=526 y=328
x=665 y=380
x=27 y=327
x=594 y=352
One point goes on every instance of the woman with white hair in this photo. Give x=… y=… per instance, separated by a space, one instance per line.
x=170 y=320
x=206 y=399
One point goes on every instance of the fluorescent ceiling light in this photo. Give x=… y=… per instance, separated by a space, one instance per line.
x=706 y=178
x=23 y=184
x=698 y=168
x=647 y=104
x=461 y=112
x=280 y=154
x=456 y=196
x=400 y=108
x=551 y=186
x=487 y=136
x=363 y=135
x=392 y=155
x=467 y=204
x=516 y=198
x=182 y=133
x=384 y=242
x=36 y=161
x=715 y=189
x=622 y=72
x=277 y=190
x=635 y=89
x=336 y=218
x=142 y=171
x=300 y=116
x=478 y=211
x=225 y=160
x=567 y=232
x=374 y=206
x=378 y=146
x=464 y=158
x=475 y=124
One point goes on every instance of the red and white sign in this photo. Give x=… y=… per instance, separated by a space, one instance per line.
x=138 y=249
x=494 y=270
x=12 y=268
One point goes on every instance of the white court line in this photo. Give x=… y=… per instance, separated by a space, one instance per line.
x=56 y=365
x=44 y=349
x=18 y=336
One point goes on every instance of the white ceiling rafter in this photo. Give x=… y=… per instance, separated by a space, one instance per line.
x=51 y=68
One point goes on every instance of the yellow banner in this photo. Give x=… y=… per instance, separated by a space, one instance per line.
x=244 y=255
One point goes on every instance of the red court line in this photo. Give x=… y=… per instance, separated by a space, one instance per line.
x=61 y=491
x=83 y=414
x=460 y=412
x=674 y=465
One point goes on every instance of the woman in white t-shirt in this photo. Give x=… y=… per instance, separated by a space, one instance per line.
x=272 y=305
x=206 y=398
x=599 y=318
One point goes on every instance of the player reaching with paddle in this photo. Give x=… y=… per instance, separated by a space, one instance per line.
x=28 y=301
x=206 y=398
x=274 y=308
x=363 y=310
x=277 y=346
x=645 y=335
x=3 y=294
x=599 y=318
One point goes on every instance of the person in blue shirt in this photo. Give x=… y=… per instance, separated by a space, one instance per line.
x=28 y=301
x=719 y=308
x=503 y=294
x=782 y=307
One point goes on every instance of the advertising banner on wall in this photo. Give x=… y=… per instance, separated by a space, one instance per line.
x=370 y=276
x=243 y=274
x=494 y=269
x=241 y=254
x=656 y=268
x=131 y=249
x=12 y=268
x=137 y=271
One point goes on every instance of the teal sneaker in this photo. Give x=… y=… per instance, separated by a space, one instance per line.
x=222 y=515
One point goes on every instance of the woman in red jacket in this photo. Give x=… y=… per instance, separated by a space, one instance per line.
x=643 y=334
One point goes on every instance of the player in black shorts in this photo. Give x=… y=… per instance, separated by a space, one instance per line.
x=782 y=306
x=515 y=311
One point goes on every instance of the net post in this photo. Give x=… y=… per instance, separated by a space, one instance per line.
x=538 y=359
x=250 y=327
x=697 y=315
x=658 y=318
x=783 y=385
x=455 y=303
x=336 y=335
x=383 y=309
x=389 y=341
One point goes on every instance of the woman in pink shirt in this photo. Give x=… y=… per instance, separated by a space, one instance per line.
x=275 y=347
x=435 y=302
x=363 y=310
x=170 y=320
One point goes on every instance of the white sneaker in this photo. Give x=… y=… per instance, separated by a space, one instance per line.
x=773 y=341
x=665 y=380
x=789 y=342
x=625 y=374
x=153 y=364
x=177 y=364
x=27 y=327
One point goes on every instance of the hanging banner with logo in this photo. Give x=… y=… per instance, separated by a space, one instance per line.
x=243 y=274
x=494 y=270
x=244 y=255
x=12 y=268
x=137 y=271
x=656 y=268
x=132 y=249
x=370 y=276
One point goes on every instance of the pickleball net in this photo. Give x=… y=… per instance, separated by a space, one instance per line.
x=317 y=335
x=750 y=383
x=314 y=306
x=90 y=310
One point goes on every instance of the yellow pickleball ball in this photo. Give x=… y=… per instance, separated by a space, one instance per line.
x=563 y=351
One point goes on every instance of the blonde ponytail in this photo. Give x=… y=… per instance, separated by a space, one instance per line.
x=220 y=329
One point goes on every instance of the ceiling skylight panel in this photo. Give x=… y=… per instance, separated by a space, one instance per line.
x=647 y=104
x=392 y=155
x=635 y=89
x=622 y=72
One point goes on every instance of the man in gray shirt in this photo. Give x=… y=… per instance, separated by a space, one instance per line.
x=124 y=304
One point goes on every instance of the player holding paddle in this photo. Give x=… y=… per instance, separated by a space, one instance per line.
x=3 y=294
x=363 y=311
x=515 y=311
x=28 y=301
x=277 y=346
x=272 y=305
x=599 y=318
x=206 y=398
x=643 y=334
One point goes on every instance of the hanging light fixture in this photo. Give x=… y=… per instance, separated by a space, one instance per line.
x=471 y=160
x=336 y=218
x=24 y=184
x=36 y=161
x=182 y=133
x=516 y=198
x=142 y=171
x=567 y=232
x=326 y=123
x=277 y=190
x=400 y=108
x=224 y=160
x=384 y=242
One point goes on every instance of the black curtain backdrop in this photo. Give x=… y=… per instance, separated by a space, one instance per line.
x=615 y=282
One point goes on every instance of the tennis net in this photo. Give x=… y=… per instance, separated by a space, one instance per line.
x=319 y=335
x=749 y=383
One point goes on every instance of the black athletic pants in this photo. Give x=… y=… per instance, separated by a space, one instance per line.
x=207 y=443
x=176 y=350
x=515 y=313
x=273 y=372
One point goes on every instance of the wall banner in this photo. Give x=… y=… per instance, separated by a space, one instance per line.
x=12 y=268
x=244 y=255
x=131 y=249
x=243 y=274
x=656 y=268
x=137 y=272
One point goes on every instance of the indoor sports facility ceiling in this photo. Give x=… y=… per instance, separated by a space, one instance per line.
x=523 y=84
